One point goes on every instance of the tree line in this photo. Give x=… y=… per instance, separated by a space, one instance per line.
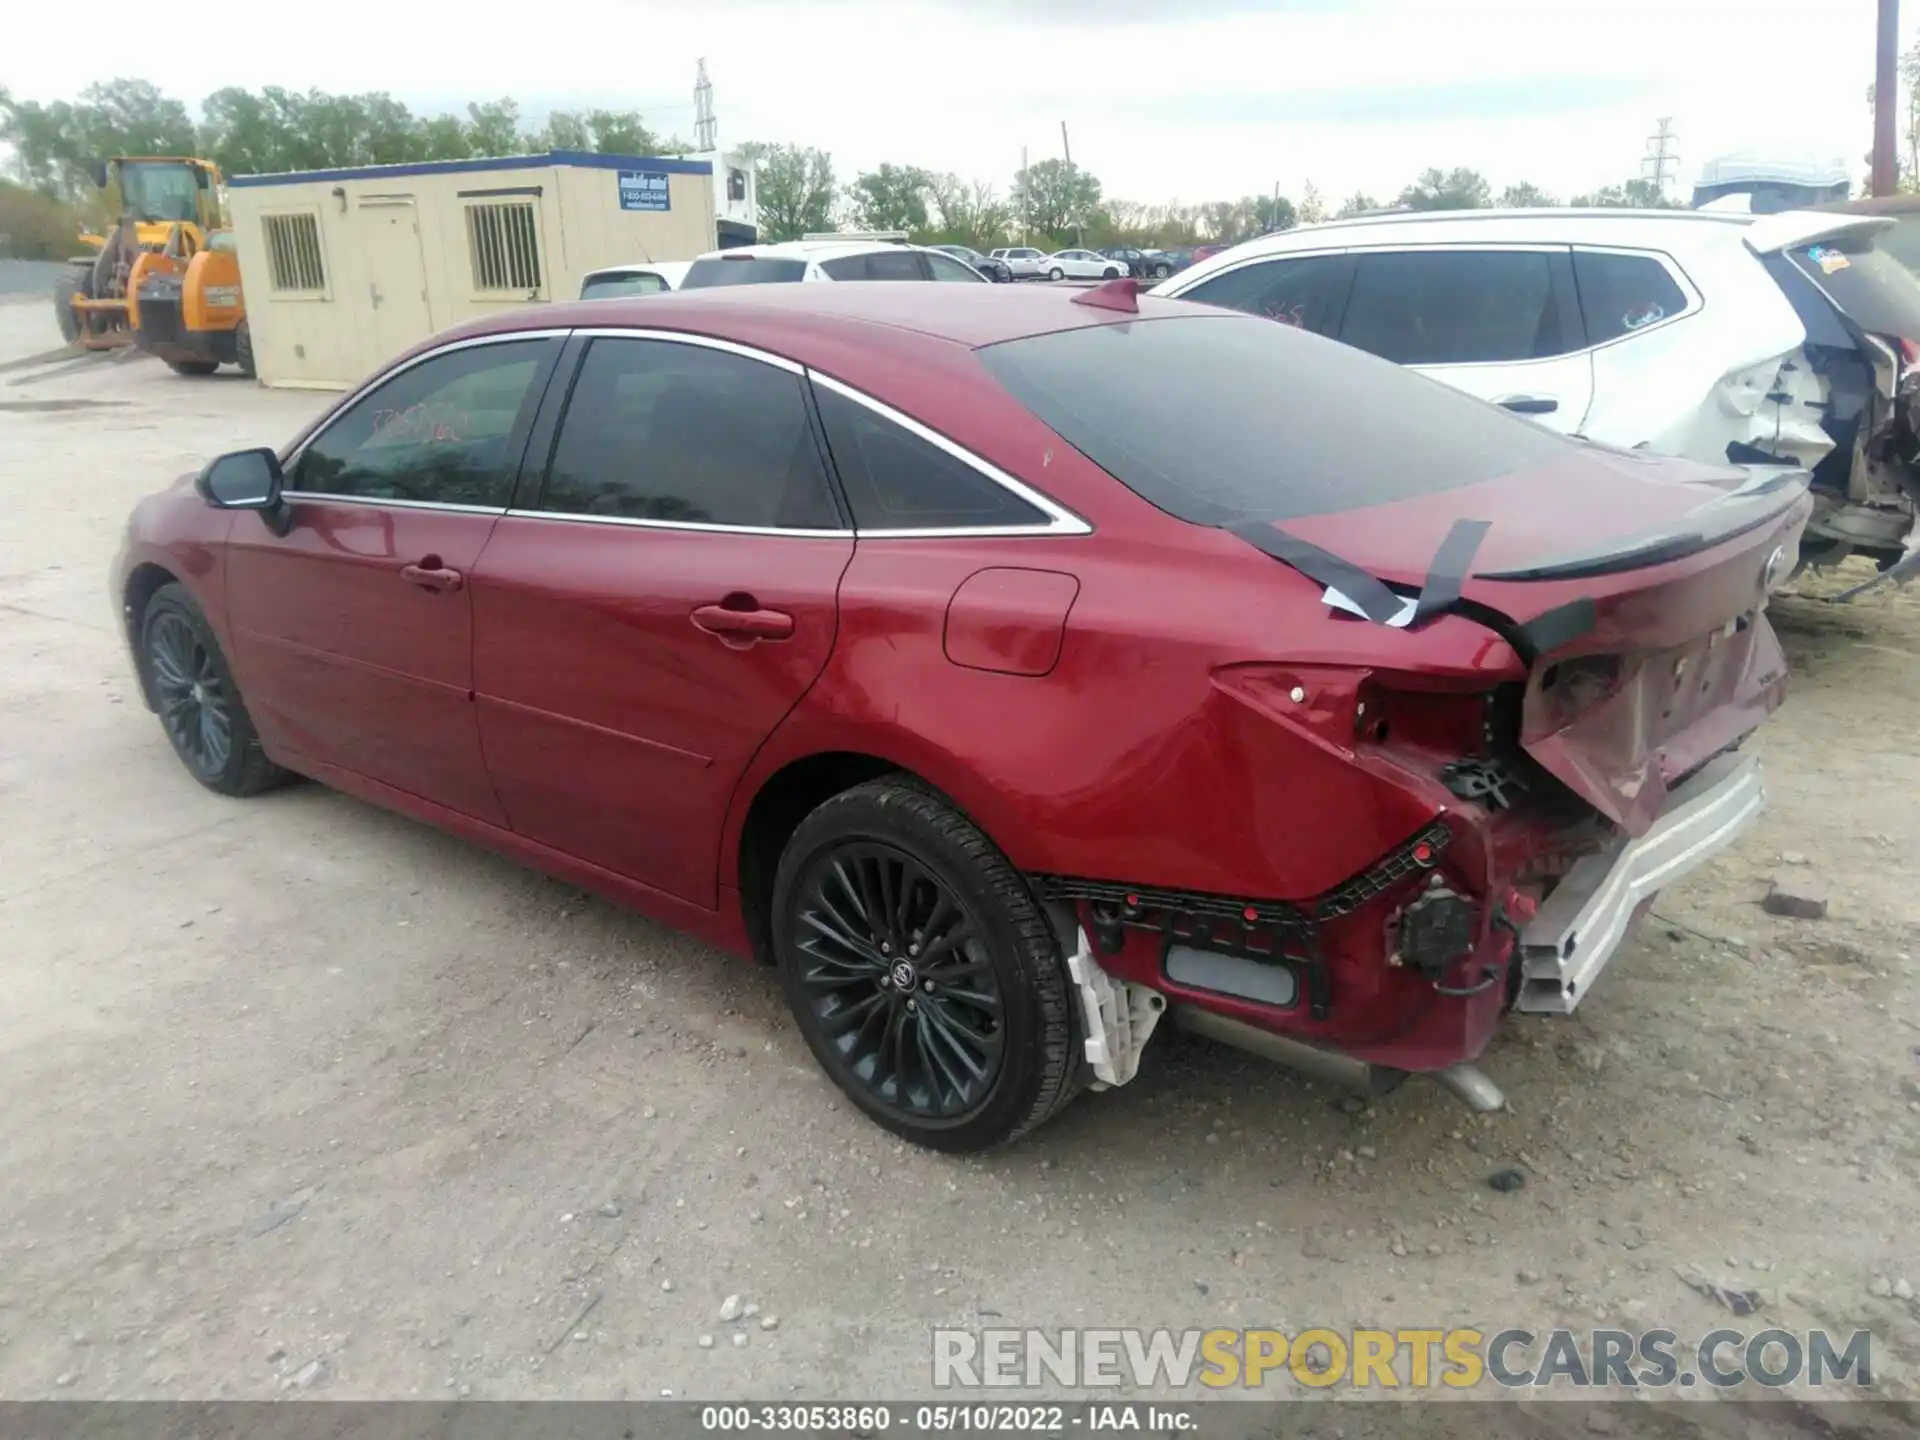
x=1051 y=203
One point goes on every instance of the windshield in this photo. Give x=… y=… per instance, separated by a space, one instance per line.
x=747 y=270
x=1869 y=286
x=1240 y=419
x=160 y=190
x=606 y=287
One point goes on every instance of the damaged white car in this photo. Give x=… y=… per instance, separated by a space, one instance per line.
x=1785 y=339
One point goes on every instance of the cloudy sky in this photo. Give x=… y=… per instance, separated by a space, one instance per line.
x=1187 y=100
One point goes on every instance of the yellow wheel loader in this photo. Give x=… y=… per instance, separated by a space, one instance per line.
x=165 y=277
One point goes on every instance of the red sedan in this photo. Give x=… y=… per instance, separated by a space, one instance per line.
x=874 y=632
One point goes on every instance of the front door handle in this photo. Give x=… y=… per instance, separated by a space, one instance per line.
x=744 y=625
x=430 y=574
x=1529 y=404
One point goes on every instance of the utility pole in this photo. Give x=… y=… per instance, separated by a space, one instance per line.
x=1080 y=221
x=1661 y=157
x=706 y=126
x=1886 y=96
x=1026 y=239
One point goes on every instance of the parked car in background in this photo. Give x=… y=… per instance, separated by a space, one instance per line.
x=1142 y=264
x=1081 y=265
x=646 y=278
x=801 y=260
x=997 y=271
x=1785 y=339
x=815 y=622
x=1023 y=260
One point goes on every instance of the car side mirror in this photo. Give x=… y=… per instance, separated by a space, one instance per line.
x=246 y=480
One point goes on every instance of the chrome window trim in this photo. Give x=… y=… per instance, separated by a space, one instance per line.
x=687 y=337
x=1061 y=521
x=324 y=497
x=698 y=526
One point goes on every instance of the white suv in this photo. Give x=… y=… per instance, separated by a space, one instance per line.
x=1774 y=339
x=793 y=260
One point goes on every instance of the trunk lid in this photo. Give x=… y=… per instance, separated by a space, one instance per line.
x=1644 y=580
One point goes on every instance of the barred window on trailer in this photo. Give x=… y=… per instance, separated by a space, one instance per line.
x=293 y=252
x=503 y=244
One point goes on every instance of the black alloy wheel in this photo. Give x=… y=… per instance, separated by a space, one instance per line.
x=895 y=972
x=190 y=687
x=925 y=977
x=188 y=693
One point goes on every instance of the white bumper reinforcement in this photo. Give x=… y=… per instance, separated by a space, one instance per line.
x=1569 y=942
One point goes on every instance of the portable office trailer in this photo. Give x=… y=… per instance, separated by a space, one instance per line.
x=344 y=269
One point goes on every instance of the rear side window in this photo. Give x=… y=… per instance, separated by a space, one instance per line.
x=656 y=430
x=1309 y=292
x=1228 y=419
x=1455 y=307
x=1623 y=293
x=895 y=480
x=744 y=270
x=1870 y=287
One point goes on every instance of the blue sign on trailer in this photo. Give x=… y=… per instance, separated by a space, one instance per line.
x=644 y=190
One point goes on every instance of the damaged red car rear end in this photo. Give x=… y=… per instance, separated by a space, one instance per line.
x=1419 y=710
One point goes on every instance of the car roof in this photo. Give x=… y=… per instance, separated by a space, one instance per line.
x=811 y=249
x=1677 y=231
x=640 y=267
x=782 y=318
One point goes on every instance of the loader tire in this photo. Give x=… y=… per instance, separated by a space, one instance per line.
x=243 y=350
x=75 y=280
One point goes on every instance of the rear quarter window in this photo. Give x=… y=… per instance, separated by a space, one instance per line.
x=1233 y=419
x=1623 y=293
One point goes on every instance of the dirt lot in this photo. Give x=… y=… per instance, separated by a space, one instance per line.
x=300 y=1097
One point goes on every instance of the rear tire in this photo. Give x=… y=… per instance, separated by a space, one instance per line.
x=1056 y=273
x=1109 y=274
x=922 y=972
x=76 y=281
x=193 y=691
x=243 y=350
x=193 y=367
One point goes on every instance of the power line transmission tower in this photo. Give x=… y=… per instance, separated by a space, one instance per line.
x=706 y=127
x=1663 y=156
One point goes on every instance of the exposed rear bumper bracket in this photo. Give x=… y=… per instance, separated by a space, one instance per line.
x=1569 y=942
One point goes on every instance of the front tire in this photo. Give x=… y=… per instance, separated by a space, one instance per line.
x=922 y=972
x=243 y=350
x=76 y=281
x=193 y=367
x=193 y=692
x=1110 y=273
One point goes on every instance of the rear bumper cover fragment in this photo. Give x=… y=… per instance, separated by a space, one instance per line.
x=1576 y=932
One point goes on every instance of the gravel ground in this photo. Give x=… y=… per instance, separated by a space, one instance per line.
x=301 y=1097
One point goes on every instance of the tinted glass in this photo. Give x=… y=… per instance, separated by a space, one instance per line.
x=1903 y=241
x=896 y=481
x=846 y=267
x=1228 y=419
x=1623 y=293
x=441 y=431
x=1873 y=289
x=894 y=265
x=605 y=287
x=945 y=267
x=1309 y=292
x=661 y=431
x=746 y=270
x=1455 y=307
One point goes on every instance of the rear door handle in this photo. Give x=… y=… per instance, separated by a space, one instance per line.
x=744 y=625
x=1529 y=404
x=430 y=574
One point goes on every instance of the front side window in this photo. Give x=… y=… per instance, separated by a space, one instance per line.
x=1455 y=307
x=1308 y=292
x=895 y=480
x=445 y=431
x=658 y=430
x=1623 y=293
